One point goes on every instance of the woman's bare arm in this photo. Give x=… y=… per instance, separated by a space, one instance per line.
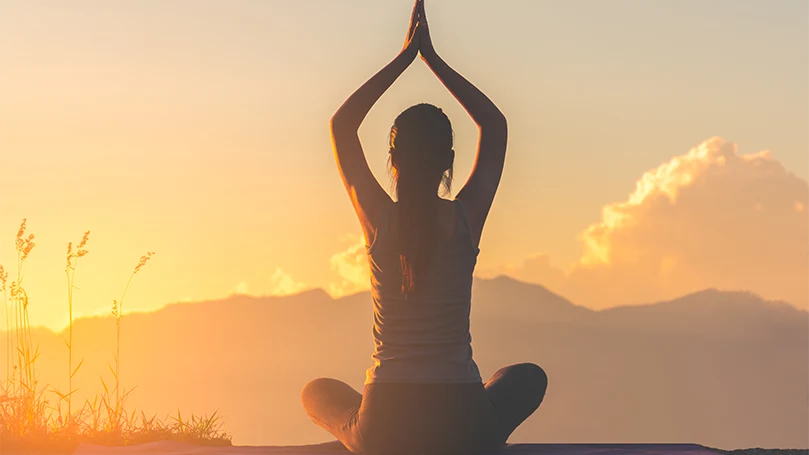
x=478 y=192
x=366 y=194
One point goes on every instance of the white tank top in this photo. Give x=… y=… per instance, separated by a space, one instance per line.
x=425 y=338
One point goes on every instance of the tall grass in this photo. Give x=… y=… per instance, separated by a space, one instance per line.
x=70 y=271
x=20 y=394
x=118 y=312
x=26 y=356
x=28 y=419
x=3 y=280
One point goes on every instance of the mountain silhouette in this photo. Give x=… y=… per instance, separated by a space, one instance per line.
x=723 y=369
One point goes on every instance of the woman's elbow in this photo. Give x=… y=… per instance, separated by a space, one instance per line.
x=336 y=126
x=335 y=121
x=494 y=126
x=493 y=122
x=341 y=124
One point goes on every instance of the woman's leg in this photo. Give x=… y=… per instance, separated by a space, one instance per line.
x=515 y=392
x=334 y=405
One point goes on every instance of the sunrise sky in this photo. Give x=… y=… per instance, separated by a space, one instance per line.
x=199 y=130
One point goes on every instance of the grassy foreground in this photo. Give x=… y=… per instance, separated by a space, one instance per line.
x=35 y=418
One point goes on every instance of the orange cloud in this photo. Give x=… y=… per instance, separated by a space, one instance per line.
x=280 y=284
x=283 y=284
x=351 y=267
x=709 y=218
x=241 y=289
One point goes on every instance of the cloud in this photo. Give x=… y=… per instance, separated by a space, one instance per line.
x=709 y=218
x=241 y=289
x=282 y=284
x=351 y=267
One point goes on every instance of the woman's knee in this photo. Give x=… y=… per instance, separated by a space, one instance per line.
x=329 y=399
x=534 y=379
x=333 y=405
x=540 y=379
x=536 y=373
x=315 y=391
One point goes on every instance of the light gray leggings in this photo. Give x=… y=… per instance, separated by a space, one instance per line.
x=418 y=418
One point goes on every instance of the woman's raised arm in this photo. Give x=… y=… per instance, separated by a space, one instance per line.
x=366 y=194
x=478 y=192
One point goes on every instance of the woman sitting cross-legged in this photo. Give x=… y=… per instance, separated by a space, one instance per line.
x=424 y=393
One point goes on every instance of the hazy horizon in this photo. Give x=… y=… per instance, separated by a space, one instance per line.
x=366 y=293
x=664 y=373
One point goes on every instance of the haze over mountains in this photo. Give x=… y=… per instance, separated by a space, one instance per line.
x=724 y=369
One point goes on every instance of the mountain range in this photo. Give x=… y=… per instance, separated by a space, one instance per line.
x=723 y=369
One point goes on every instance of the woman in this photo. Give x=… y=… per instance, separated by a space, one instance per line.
x=424 y=393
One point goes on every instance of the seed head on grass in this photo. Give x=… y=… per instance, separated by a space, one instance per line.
x=21 y=233
x=18 y=293
x=83 y=243
x=81 y=251
x=24 y=245
x=142 y=261
x=69 y=256
x=3 y=278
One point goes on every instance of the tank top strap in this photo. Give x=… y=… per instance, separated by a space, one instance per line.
x=463 y=223
x=382 y=228
x=460 y=212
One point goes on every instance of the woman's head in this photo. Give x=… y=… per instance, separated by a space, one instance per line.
x=421 y=145
x=421 y=159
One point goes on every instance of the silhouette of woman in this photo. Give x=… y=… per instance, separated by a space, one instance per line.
x=424 y=393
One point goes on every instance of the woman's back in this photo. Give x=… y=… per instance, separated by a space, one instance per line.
x=424 y=337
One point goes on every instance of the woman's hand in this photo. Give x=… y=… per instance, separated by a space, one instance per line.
x=412 y=41
x=425 y=41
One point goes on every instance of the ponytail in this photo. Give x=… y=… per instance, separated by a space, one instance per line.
x=421 y=158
